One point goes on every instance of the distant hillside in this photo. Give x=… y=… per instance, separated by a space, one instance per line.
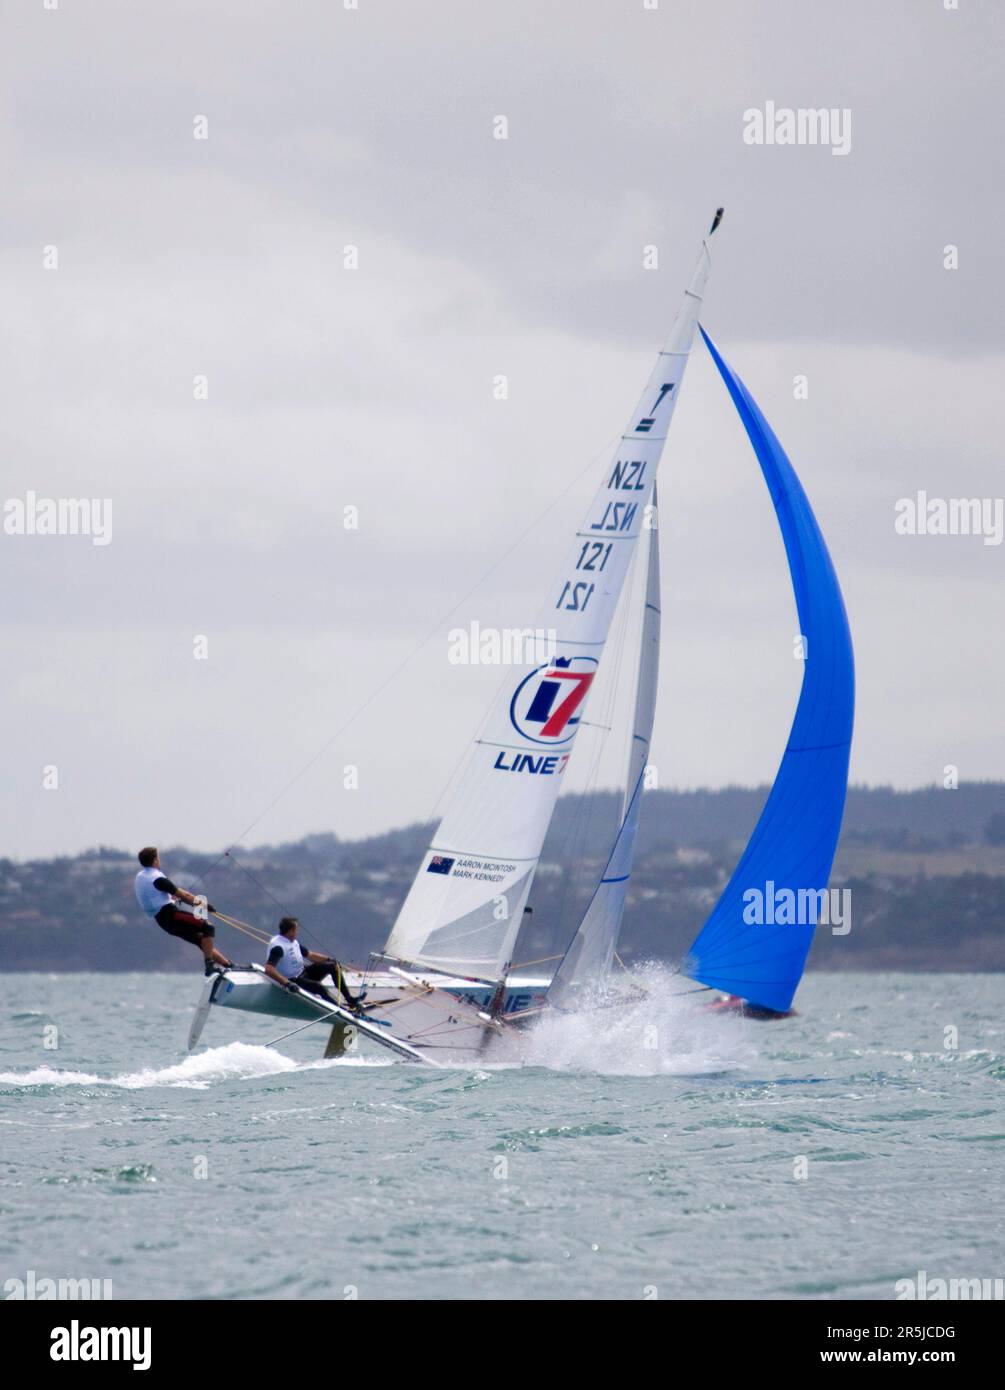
x=926 y=870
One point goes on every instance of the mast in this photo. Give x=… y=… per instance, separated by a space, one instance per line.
x=587 y=961
x=464 y=909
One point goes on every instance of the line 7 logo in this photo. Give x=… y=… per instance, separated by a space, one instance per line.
x=566 y=708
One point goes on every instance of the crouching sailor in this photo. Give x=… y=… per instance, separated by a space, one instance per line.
x=287 y=966
x=159 y=897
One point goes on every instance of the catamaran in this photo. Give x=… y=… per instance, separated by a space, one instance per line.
x=442 y=988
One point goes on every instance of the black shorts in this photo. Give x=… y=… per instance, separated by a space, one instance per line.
x=184 y=924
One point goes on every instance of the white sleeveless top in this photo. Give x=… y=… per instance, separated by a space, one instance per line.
x=151 y=899
x=292 y=963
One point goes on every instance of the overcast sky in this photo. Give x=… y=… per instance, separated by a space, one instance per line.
x=373 y=387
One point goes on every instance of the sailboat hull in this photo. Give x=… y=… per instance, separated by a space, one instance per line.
x=742 y=1008
x=408 y=1016
x=250 y=991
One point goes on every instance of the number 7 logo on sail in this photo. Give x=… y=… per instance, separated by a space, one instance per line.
x=547 y=704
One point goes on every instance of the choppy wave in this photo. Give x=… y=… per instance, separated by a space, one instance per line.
x=234 y=1061
x=647 y=1145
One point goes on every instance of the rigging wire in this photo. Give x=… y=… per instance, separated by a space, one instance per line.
x=264 y=936
x=437 y=627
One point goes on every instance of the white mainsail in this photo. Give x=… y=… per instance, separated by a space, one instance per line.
x=464 y=909
x=586 y=963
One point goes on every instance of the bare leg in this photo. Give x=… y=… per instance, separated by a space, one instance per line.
x=210 y=953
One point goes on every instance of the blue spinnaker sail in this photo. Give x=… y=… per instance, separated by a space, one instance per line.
x=792 y=847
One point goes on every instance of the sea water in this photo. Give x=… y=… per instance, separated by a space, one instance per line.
x=650 y=1152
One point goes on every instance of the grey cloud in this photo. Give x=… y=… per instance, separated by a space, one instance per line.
x=373 y=387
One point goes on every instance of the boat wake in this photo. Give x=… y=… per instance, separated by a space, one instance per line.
x=665 y=1032
x=233 y=1062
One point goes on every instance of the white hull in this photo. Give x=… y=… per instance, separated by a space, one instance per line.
x=522 y=992
x=413 y=1016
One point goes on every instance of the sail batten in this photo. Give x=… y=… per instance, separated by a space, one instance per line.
x=464 y=910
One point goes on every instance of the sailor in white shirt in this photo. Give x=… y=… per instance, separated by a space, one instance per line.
x=287 y=965
x=158 y=897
